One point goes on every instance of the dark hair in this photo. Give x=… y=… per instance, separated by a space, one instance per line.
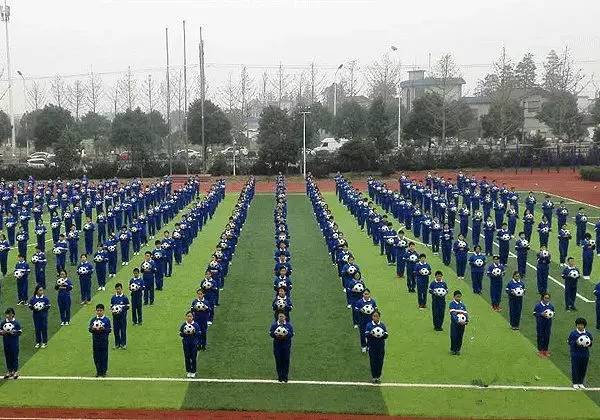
x=99 y=306
x=188 y=313
x=9 y=311
x=457 y=292
x=367 y=290
x=38 y=287
x=136 y=270
x=439 y=272
x=581 y=321
x=118 y=285
x=544 y=294
x=422 y=255
x=157 y=242
x=376 y=311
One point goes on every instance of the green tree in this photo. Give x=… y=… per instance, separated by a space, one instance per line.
x=379 y=126
x=596 y=112
x=217 y=127
x=357 y=155
x=26 y=127
x=5 y=127
x=157 y=124
x=504 y=120
x=94 y=126
x=350 y=121
x=297 y=126
x=525 y=72
x=278 y=149
x=130 y=130
x=67 y=150
x=51 y=123
x=560 y=113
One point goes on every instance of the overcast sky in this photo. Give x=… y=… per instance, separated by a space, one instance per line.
x=71 y=36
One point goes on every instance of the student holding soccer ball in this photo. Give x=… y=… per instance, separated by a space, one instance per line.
x=147 y=269
x=477 y=263
x=40 y=304
x=365 y=307
x=282 y=332
x=438 y=289
x=189 y=332
x=515 y=289
x=543 y=312
x=422 y=271
x=570 y=275
x=85 y=270
x=495 y=273
x=461 y=249
x=119 y=304
x=21 y=273
x=201 y=309
x=10 y=330
x=4 y=249
x=64 y=287
x=376 y=333
x=100 y=328
x=579 y=342
x=284 y=303
x=588 y=245
x=136 y=287
x=459 y=317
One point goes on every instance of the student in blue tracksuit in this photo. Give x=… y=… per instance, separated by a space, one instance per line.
x=489 y=229
x=167 y=246
x=21 y=274
x=100 y=262
x=119 y=304
x=60 y=251
x=522 y=249
x=40 y=234
x=410 y=257
x=564 y=236
x=159 y=263
x=422 y=271
x=4 y=249
x=111 y=248
x=376 y=333
x=436 y=231
x=548 y=210
x=438 y=290
x=64 y=287
x=495 y=272
x=581 y=224
x=10 y=329
x=100 y=329
x=124 y=240
x=515 y=289
x=580 y=352
x=459 y=317
x=562 y=214
x=588 y=246
x=543 y=269
x=73 y=240
x=476 y=229
x=365 y=307
x=40 y=304
x=85 y=270
x=461 y=250
x=446 y=243
x=201 y=309
x=282 y=332
x=136 y=287
x=22 y=239
x=544 y=229
x=543 y=312
x=282 y=303
x=39 y=262
x=528 y=221
x=570 y=275
x=477 y=263
x=503 y=236
x=147 y=268
x=189 y=331
x=88 y=235
x=400 y=248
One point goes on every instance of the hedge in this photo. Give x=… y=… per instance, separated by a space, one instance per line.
x=590 y=173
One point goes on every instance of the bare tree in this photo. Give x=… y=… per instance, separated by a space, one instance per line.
x=561 y=73
x=382 y=78
x=316 y=82
x=93 y=92
x=150 y=94
x=247 y=93
x=349 y=80
x=57 y=88
x=264 y=92
x=281 y=84
x=229 y=94
x=36 y=95
x=127 y=90
x=75 y=97
x=447 y=72
x=114 y=95
x=299 y=85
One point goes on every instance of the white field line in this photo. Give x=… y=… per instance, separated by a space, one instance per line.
x=307 y=382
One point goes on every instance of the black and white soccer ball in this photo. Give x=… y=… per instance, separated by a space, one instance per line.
x=38 y=306
x=496 y=271
x=424 y=271
x=584 y=341
x=518 y=291
x=351 y=270
x=189 y=329
x=548 y=313
x=97 y=325
x=367 y=309
x=440 y=291
x=280 y=304
x=19 y=273
x=83 y=270
x=478 y=262
x=134 y=287
x=116 y=309
x=358 y=288
x=377 y=332
x=461 y=319
x=8 y=327
x=61 y=282
x=281 y=331
x=574 y=273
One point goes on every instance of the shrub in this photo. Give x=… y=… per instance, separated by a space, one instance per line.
x=590 y=173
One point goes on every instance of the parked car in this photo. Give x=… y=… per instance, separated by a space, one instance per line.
x=329 y=144
x=41 y=155
x=192 y=154
x=238 y=150
x=39 y=163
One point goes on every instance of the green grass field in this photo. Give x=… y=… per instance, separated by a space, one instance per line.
x=325 y=349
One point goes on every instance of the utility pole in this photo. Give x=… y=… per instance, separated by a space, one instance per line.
x=187 y=156
x=169 y=137
x=335 y=89
x=399 y=97
x=5 y=15
x=312 y=83
x=304 y=142
x=202 y=95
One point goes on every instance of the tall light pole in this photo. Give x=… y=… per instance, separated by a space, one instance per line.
x=304 y=113
x=169 y=138
x=335 y=89
x=202 y=97
x=399 y=96
x=185 y=105
x=5 y=16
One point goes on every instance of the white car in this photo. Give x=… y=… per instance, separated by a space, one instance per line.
x=330 y=145
x=238 y=150
x=39 y=163
x=192 y=154
x=41 y=155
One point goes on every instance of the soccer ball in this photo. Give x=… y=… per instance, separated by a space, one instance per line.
x=574 y=274
x=352 y=269
x=98 y=258
x=478 y=262
x=35 y=259
x=82 y=270
x=112 y=248
x=461 y=318
x=165 y=245
x=57 y=251
x=390 y=241
x=424 y=271
x=146 y=265
x=402 y=243
x=281 y=283
x=116 y=309
x=358 y=288
x=97 y=325
x=506 y=237
x=545 y=230
x=413 y=257
x=377 y=332
x=281 y=331
x=157 y=255
x=367 y=309
x=188 y=329
x=61 y=282
x=440 y=291
x=584 y=341
x=548 y=313
x=176 y=235
x=20 y=237
x=38 y=306
x=518 y=291
x=200 y=306
x=207 y=284
x=280 y=303
x=496 y=272
x=592 y=242
x=566 y=232
x=524 y=243
x=8 y=327
x=55 y=225
x=544 y=254
x=123 y=237
x=19 y=273
x=87 y=226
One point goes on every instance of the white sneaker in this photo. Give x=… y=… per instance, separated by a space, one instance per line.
x=209 y=323
x=103 y=287
x=586 y=277
x=37 y=346
x=99 y=288
x=363 y=349
x=123 y=263
x=189 y=375
x=44 y=345
x=62 y=323
x=348 y=306
x=192 y=375
x=355 y=326
x=67 y=323
x=127 y=263
x=576 y=386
